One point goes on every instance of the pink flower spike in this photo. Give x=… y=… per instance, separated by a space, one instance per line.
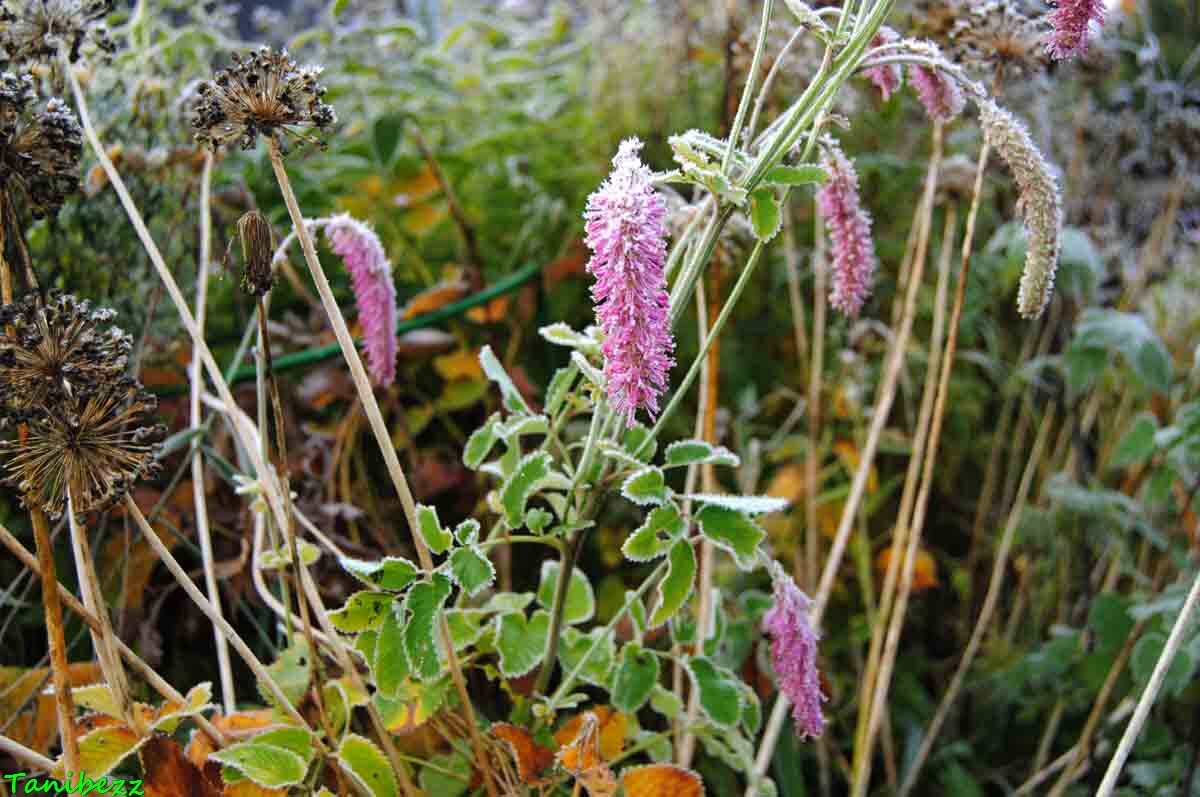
x=1072 y=27
x=851 y=248
x=886 y=78
x=794 y=654
x=626 y=231
x=371 y=274
x=939 y=93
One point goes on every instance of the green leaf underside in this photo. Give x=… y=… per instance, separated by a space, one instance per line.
x=733 y=532
x=580 y=603
x=676 y=586
x=750 y=504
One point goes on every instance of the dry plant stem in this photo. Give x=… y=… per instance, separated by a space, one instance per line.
x=156 y=681
x=23 y=754
x=243 y=650
x=260 y=584
x=199 y=487
x=883 y=405
x=375 y=417
x=906 y=535
x=64 y=704
x=1150 y=693
x=103 y=639
x=985 y=614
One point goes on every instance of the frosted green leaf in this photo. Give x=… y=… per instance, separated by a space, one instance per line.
x=467 y=532
x=765 y=216
x=471 y=570
x=636 y=437
x=751 y=709
x=523 y=425
x=365 y=644
x=573 y=645
x=421 y=641
x=635 y=678
x=720 y=697
x=521 y=641
x=805 y=174
x=665 y=702
x=367 y=767
x=513 y=401
x=561 y=334
x=676 y=586
x=282 y=557
x=390 y=663
x=446 y=775
x=466 y=626
x=560 y=387
x=698 y=452
x=1137 y=444
x=537 y=519
x=392 y=573
x=732 y=531
x=580 y=605
x=503 y=602
x=590 y=372
x=652 y=539
x=363 y=610
x=750 y=504
x=646 y=486
x=101 y=750
x=521 y=485
x=291 y=670
x=270 y=761
x=436 y=537
x=481 y=442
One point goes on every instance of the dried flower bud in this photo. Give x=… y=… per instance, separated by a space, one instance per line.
x=263 y=92
x=34 y=31
x=852 y=249
x=95 y=445
x=258 y=249
x=1041 y=204
x=39 y=152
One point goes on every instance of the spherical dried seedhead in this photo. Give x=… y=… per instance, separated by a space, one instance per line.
x=36 y=31
x=96 y=446
x=39 y=151
x=988 y=36
x=265 y=93
x=52 y=351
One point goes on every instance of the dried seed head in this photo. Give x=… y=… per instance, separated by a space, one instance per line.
x=35 y=31
x=987 y=36
x=51 y=351
x=258 y=248
x=39 y=151
x=1040 y=203
x=96 y=446
x=263 y=92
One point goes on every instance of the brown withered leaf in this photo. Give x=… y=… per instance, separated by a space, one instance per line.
x=661 y=780
x=532 y=759
x=583 y=758
x=167 y=772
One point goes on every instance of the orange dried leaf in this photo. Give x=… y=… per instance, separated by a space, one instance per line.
x=532 y=759
x=661 y=780
x=788 y=483
x=167 y=772
x=848 y=453
x=925 y=572
x=462 y=364
x=490 y=313
x=436 y=297
x=613 y=728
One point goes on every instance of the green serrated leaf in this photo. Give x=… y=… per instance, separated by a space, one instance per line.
x=751 y=709
x=512 y=398
x=636 y=437
x=102 y=750
x=580 y=604
x=363 y=610
x=665 y=702
x=651 y=540
x=436 y=537
x=749 y=504
x=466 y=626
x=560 y=387
x=389 y=663
x=467 y=532
x=446 y=775
x=421 y=642
x=733 y=532
x=676 y=586
x=504 y=602
x=537 y=519
x=698 y=452
x=646 y=487
x=765 y=215
x=521 y=485
x=367 y=767
x=521 y=641
x=806 y=174
x=481 y=442
x=573 y=645
x=720 y=698
x=393 y=573
x=471 y=570
x=268 y=765
x=636 y=676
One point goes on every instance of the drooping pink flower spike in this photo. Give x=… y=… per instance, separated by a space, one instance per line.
x=374 y=291
x=887 y=78
x=941 y=95
x=625 y=227
x=794 y=653
x=1071 y=25
x=852 y=251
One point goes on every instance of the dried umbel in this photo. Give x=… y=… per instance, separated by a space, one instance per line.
x=264 y=93
x=852 y=250
x=994 y=37
x=39 y=151
x=374 y=291
x=1041 y=204
x=54 y=350
x=626 y=231
x=95 y=446
x=36 y=31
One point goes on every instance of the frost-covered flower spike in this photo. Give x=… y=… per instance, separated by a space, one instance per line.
x=371 y=274
x=852 y=250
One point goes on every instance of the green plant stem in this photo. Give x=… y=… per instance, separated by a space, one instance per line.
x=744 y=104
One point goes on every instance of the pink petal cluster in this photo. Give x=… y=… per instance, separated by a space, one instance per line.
x=794 y=655
x=1072 y=27
x=940 y=94
x=371 y=274
x=851 y=247
x=887 y=78
x=626 y=231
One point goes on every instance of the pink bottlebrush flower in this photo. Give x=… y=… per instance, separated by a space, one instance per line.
x=852 y=250
x=794 y=654
x=359 y=248
x=626 y=231
x=886 y=78
x=1072 y=27
x=939 y=93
